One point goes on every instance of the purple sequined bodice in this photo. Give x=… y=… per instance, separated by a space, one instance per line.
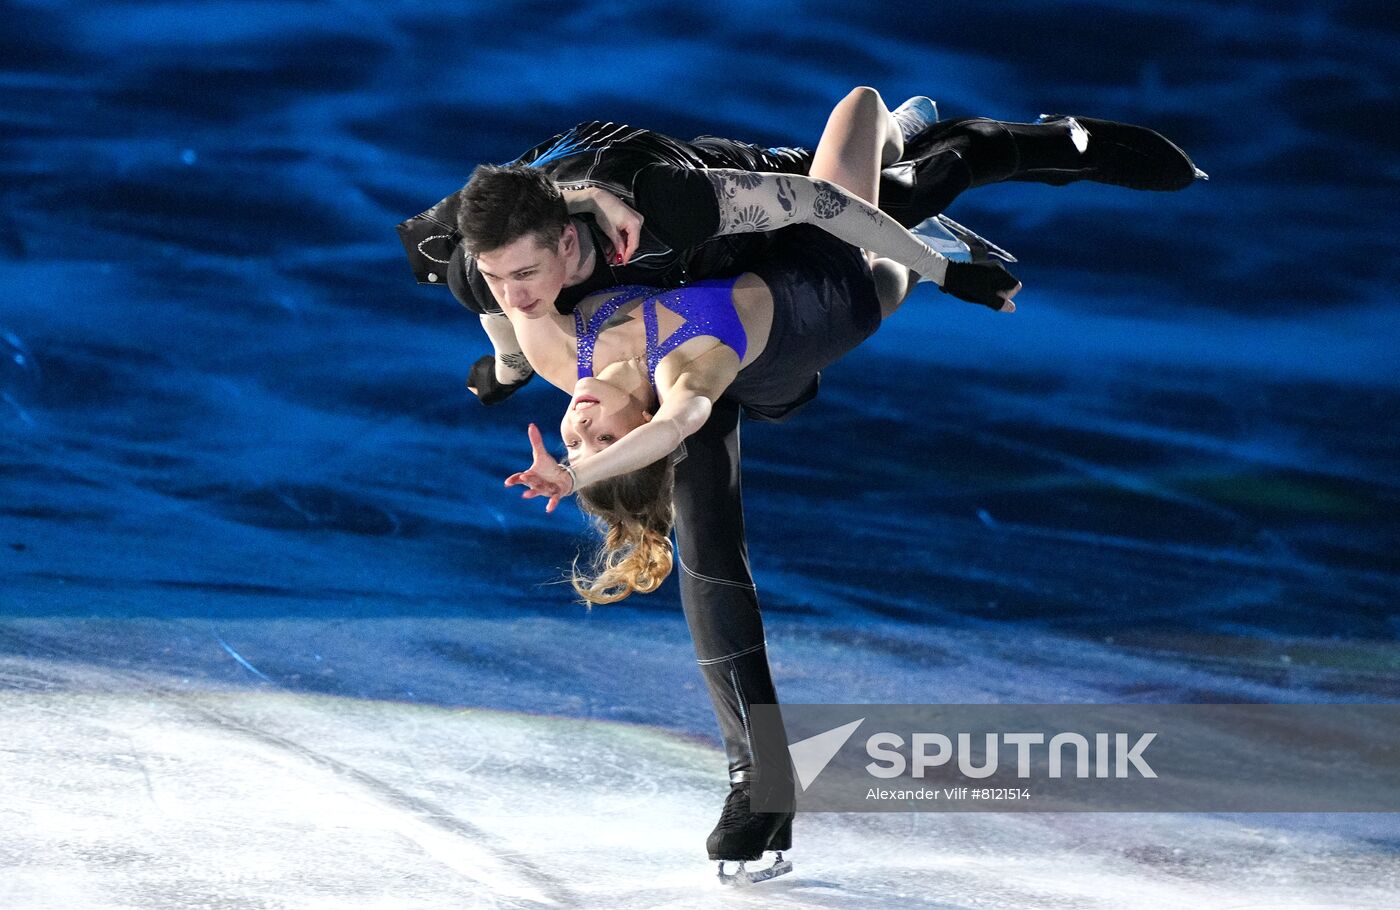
x=706 y=306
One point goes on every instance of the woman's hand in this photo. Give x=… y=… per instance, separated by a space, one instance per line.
x=621 y=222
x=545 y=476
x=987 y=283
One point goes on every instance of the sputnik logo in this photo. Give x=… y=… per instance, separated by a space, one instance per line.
x=810 y=756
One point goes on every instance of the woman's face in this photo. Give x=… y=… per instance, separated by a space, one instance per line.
x=599 y=414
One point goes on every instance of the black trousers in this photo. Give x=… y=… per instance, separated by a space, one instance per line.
x=717 y=590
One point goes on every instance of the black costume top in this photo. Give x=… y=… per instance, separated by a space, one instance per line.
x=657 y=175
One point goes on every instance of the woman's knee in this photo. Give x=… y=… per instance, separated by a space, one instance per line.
x=863 y=101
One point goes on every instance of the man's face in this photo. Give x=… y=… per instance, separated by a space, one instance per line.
x=526 y=276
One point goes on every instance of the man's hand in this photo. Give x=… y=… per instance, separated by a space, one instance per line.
x=544 y=477
x=484 y=384
x=987 y=283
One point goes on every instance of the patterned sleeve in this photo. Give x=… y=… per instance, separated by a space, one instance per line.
x=750 y=202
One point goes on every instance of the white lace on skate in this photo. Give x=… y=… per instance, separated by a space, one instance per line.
x=1077 y=132
x=1078 y=135
x=914 y=115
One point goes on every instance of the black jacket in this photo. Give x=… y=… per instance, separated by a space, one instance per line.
x=611 y=156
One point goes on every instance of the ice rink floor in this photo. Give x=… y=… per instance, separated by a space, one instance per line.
x=273 y=636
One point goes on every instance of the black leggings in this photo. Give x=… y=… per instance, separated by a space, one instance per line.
x=717 y=589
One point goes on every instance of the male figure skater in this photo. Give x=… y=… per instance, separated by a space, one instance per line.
x=681 y=237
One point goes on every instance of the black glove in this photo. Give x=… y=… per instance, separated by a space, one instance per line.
x=978 y=282
x=482 y=380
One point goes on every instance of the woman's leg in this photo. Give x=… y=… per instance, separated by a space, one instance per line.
x=893 y=282
x=858 y=134
x=860 y=137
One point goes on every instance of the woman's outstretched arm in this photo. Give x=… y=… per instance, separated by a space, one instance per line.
x=683 y=413
x=765 y=202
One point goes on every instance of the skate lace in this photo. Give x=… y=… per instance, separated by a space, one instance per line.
x=736 y=808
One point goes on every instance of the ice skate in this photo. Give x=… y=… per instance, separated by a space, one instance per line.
x=1122 y=154
x=742 y=836
x=741 y=876
x=979 y=248
x=915 y=115
x=956 y=242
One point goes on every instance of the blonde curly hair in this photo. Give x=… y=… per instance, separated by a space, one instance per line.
x=634 y=514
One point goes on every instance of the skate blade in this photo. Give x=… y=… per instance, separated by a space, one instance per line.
x=980 y=247
x=743 y=877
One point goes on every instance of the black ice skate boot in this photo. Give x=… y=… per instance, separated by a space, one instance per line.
x=1120 y=154
x=742 y=836
x=951 y=156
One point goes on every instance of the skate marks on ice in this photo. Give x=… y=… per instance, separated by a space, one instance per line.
x=163 y=799
x=157 y=798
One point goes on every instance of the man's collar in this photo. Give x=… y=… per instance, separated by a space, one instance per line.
x=588 y=253
x=601 y=276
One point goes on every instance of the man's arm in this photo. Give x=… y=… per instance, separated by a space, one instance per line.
x=493 y=379
x=512 y=367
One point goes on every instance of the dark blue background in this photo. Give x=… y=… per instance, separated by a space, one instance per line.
x=225 y=399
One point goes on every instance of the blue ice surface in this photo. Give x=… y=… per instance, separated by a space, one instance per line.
x=226 y=408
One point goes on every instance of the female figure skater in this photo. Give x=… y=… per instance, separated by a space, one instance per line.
x=645 y=369
x=640 y=386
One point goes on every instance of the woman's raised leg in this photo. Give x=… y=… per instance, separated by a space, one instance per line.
x=858 y=135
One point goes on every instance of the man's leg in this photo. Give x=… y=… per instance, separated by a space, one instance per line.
x=717 y=589
x=721 y=608
x=955 y=155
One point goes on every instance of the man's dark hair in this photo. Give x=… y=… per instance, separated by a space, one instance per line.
x=502 y=203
